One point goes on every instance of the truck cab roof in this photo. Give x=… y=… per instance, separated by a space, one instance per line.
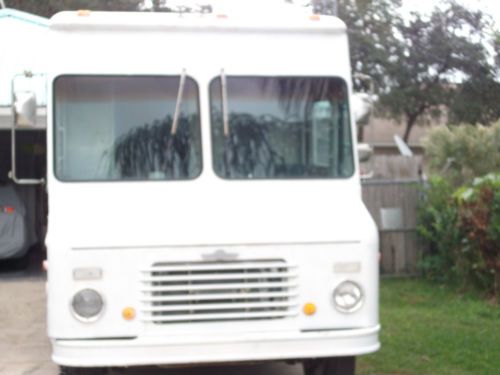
x=262 y=21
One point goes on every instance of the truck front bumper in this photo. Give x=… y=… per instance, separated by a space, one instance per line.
x=224 y=348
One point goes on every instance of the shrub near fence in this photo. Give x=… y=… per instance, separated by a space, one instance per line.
x=462 y=227
x=463 y=152
x=393 y=206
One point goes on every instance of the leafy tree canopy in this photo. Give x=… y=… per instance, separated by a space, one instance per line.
x=425 y=64
x=372 y=27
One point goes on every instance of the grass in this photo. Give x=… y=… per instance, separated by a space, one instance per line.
x=431 y=329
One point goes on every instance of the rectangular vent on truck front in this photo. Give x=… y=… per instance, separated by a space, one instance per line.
x=219 y=291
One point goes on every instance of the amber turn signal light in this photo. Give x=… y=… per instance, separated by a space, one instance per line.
x=128 y=313
x=309 y=309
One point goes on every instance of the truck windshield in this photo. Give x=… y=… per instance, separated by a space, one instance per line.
x=120 y=128
x=282 y=127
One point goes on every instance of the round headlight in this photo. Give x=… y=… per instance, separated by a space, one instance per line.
x=87 y=304
x=348 y=297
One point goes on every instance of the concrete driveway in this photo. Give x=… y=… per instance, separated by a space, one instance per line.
x=25 y=348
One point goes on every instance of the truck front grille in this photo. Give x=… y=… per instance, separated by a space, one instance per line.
x=219 y=291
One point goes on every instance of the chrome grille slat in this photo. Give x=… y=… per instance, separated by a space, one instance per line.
x=218 y=296
x=218 y=306
x=232 y=276
x=226 y=286
x=198 y=266
x=219 y=317
x=218 y=291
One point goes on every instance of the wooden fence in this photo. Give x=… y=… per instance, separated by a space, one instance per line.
x=393 y=206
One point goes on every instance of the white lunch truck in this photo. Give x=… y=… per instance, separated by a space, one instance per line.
x=204 y=193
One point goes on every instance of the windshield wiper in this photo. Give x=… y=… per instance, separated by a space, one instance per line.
x=178 y=102
x=225 y=121
x=225 y=111
x=172 y=144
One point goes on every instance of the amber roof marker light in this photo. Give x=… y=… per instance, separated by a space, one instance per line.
x=83 y=12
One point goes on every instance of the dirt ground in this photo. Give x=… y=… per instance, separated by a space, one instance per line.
x=25 y=348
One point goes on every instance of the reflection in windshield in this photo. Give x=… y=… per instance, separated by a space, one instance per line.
x=248 y=150
x=120 y=128
x=153 y=152
x=282 y=127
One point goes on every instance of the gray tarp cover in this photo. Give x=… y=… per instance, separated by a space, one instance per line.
x=14 y=236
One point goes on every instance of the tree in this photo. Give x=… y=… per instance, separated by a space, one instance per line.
x=48 y=8
x=424 y=65
x=324 y=6
x=476 y=101
x=431 y=55
x=496 y=45
x=372 y=27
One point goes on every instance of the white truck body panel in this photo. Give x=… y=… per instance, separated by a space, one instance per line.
x=123 y=228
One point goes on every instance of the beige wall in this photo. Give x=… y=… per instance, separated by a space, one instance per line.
x=381 y=131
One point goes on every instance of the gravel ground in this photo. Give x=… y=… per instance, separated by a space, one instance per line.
x=25 y=348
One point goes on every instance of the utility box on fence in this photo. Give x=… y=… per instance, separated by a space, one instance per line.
x=391 y=218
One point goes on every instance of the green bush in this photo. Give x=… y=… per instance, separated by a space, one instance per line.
x=463 y=152
x=479 y=220
x=438 y=227
x=461 y=229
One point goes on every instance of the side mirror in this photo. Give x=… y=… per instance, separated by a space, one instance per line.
x=362 y=105
x=365 y=152
x=24 y=111
x=24 y=108
x=363 y=102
